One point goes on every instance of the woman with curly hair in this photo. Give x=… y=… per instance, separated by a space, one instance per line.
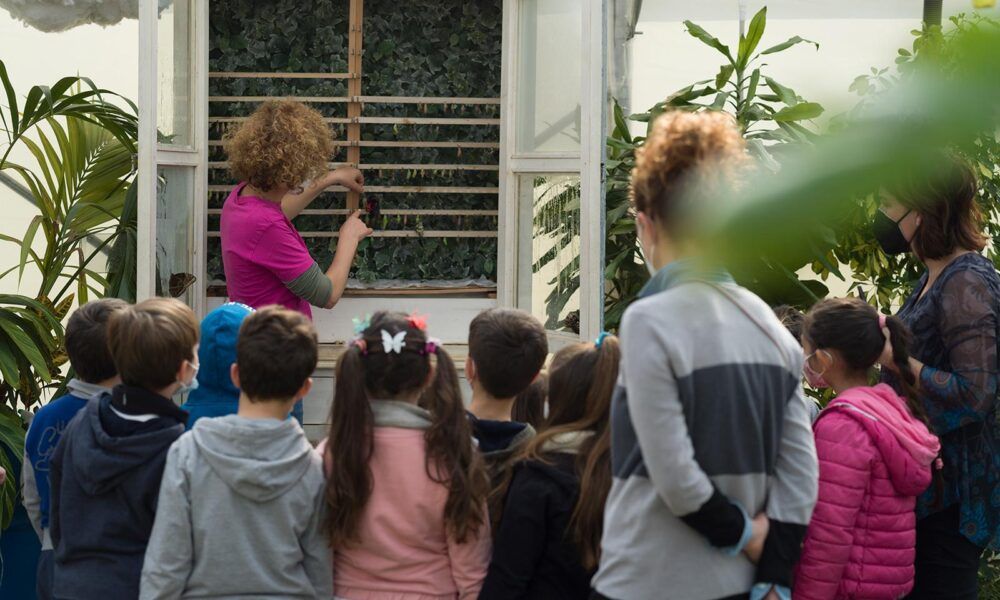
x=281 y=146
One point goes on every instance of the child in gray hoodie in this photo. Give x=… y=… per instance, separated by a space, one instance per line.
x=241 y=503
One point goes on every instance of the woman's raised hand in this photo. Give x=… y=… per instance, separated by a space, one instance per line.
x=348 y=177
x=354 y=228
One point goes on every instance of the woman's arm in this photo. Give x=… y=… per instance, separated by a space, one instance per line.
x=968 y=329
x=351 y=233
x=294 y=203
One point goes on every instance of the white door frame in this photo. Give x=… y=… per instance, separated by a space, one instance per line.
x=153 y=155
x=588 y=164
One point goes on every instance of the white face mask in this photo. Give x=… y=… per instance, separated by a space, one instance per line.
x=187 y=387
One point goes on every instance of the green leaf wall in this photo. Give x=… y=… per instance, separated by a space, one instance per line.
x=411 y=48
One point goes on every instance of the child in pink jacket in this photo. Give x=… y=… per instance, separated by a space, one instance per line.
x=875 y=455
x=406 y=489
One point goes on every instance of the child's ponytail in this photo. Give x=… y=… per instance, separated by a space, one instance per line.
x=452 y=459
x=348 y=450
x=899 y=337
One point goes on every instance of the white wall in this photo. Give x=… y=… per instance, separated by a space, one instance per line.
x=108 y=56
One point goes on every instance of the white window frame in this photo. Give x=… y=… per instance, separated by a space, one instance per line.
x=588 y=164
x=153 y=155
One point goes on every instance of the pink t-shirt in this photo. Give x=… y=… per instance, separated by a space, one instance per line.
x=261 y=253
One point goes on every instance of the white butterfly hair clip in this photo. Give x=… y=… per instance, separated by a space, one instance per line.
x=393 y=343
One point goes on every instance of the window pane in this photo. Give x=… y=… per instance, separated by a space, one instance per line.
x=548 y=79
x=175 y=233
x=549 y=244
x=173 y=109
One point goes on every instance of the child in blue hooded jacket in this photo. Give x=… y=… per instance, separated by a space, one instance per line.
x=215 y=395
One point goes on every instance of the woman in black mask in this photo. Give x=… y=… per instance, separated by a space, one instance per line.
x=954 y=314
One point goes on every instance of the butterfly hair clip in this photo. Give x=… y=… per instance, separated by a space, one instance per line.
x=393 y=343
x=360 y=325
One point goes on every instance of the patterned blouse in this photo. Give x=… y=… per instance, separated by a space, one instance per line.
x=955 y=335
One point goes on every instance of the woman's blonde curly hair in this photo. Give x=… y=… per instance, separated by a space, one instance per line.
x=685 y=150
x=282 y=143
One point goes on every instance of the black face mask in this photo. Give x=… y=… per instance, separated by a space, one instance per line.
x=888 y=235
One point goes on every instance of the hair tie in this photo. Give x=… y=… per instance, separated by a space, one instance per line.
x=600 y=339
x=431 y=346
x=361 y=344
x=417 y=321
x=938 y=464
x=881 y=321
x=360 y=325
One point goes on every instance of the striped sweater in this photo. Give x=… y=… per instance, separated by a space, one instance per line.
x=709 y=427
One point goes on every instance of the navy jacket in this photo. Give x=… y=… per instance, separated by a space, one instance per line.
x=534 y=555
x=105 y=480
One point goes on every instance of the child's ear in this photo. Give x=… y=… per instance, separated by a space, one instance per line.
x=307 y=387
x=234 y=375
x=470 y=369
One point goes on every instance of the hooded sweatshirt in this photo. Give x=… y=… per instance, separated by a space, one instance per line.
x=216 y=396
x=875 y=459
x=405 y=551
x=46 y=430
x=105 y=479
x=533 y=554
x=240 y=514
x=498 y=442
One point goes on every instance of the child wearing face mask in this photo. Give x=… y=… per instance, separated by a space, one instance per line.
x=875 y=455
x=105 y=473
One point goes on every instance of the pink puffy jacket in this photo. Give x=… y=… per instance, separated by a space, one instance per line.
x=874 y=459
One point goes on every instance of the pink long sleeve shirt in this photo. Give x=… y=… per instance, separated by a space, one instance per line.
x=405 y=552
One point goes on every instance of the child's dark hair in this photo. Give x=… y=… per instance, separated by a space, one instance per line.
x=581 y=381
x=508 y=348
x=276 y=353
x=529 y=405
x=852 y=327
x=792 y=318
x=365 y=371
x=87 y=340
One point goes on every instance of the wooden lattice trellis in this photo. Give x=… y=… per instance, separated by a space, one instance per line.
x=359 y=114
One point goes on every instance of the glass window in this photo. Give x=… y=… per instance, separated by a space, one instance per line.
x=174 y=88
x=549 y=249
x=548 y=78
x=175 y=233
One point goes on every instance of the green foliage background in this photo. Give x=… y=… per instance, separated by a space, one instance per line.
x=411 y=48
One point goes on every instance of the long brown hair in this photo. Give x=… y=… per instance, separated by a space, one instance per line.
x=950 y=218
x=365 y=372
x=581 y=381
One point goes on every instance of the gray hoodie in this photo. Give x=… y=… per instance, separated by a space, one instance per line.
x=240 y=514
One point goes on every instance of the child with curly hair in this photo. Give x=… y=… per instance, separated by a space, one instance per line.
x=283 y=145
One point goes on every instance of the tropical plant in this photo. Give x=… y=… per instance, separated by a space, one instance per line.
x=82 y=145
x=887 y=280
x=770 y=116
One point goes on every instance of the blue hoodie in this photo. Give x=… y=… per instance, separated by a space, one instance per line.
x=216 y=395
